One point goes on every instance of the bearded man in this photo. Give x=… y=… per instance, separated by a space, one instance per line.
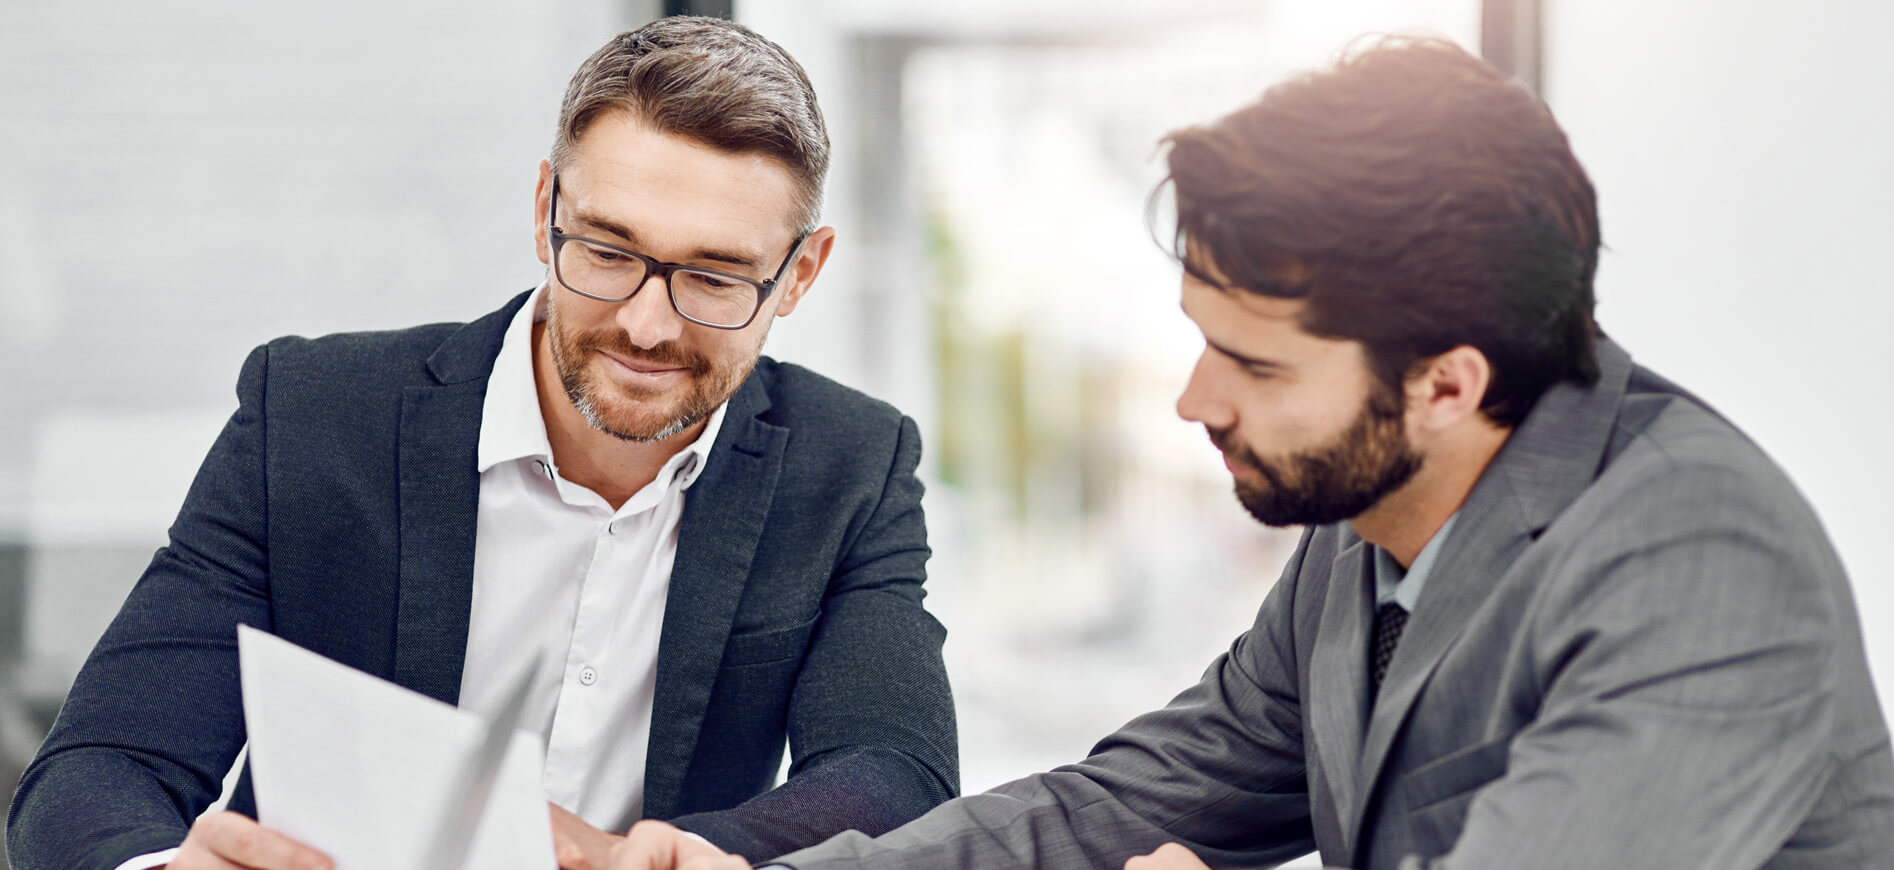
x=1551 y=611
x=727 y=552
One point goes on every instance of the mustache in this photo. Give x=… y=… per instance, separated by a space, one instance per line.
x=1225 y=440
x=668 y=354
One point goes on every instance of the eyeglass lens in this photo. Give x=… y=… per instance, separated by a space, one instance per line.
x=703 y=296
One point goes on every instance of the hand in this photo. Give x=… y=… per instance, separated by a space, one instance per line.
x=222 y=840
x=577 y=844
x=654 y=845
x=1169 y=856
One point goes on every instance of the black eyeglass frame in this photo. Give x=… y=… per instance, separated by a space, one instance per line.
x=557 y=239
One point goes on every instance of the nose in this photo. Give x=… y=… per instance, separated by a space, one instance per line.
x=1199 y=403
x=647 y=317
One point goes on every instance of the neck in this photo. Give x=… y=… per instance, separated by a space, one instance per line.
x=606 y=464
x=1403 y=521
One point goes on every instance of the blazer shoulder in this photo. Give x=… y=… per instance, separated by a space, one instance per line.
x=1666 y=437
x=802 y=398
x=1679 y=474
x=383 y=357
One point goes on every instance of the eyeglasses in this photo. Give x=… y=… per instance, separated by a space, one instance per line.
x=609 y=273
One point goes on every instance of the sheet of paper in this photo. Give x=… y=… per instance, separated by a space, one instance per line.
x=360 y=768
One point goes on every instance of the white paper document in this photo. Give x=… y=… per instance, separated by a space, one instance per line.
x=362 y=769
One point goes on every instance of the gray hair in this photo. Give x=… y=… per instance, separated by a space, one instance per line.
x=713 y=81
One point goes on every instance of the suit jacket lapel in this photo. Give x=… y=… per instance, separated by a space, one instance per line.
x=1339 y=713
x=1487 y=538
x=1546 y=464
x=723 y=520
x=440 y=499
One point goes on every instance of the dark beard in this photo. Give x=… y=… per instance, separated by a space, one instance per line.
x=1334 y=482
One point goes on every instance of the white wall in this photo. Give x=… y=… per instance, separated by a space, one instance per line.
x=1744 y=158
x=182 y=181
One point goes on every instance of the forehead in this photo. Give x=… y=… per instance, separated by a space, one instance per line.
x=1265 y=328
x=1227 y=315
x=677 y=192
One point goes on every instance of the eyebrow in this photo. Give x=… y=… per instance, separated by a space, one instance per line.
x=1245 y=360
x=1241 y=358
x=715 y=255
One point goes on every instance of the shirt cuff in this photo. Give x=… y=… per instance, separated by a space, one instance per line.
x=149 y=860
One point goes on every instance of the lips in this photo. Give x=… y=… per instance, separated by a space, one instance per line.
x=1223 y=440
x=642 y=367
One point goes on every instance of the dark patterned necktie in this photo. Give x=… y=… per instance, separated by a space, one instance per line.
x=1389 y=619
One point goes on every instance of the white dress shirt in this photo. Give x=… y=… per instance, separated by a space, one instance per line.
x=557 y=570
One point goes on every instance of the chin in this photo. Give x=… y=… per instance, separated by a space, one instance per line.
x=620 y=417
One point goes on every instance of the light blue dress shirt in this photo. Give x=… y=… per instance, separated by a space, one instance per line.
x=1404 y=587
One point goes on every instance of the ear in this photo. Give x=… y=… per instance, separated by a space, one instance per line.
x=809 y=262
x=1447 y=390
x=542 y=199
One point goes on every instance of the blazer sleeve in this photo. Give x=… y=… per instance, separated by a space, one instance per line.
x=154 y=719
x=1220 y=769
x=871 y=717
x=1689 y=656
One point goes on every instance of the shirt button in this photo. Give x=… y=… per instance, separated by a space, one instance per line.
x=611 y=528
x=587 y=676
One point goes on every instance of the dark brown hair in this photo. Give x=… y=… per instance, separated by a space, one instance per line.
x=712 y=81
x=1417 y=201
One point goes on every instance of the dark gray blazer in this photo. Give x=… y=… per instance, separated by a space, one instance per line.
x=337 y=511
x=1636 y=650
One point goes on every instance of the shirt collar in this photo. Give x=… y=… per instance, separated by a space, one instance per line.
x=511 y=427
x=1404 y=588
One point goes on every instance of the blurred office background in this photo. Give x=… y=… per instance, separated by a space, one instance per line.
x=181 y=181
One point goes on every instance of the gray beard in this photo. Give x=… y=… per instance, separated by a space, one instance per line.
x=582 y=400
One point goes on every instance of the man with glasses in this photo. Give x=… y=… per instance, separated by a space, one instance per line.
x=720 y=550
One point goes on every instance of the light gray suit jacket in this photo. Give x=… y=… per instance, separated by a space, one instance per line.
x=1637 y=649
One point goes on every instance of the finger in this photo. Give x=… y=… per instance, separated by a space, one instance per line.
x=641 y=849
x=571 y=856
x=655 y=845
x=688 y=846
x=576 y=844
x=1170 y=856
x=238 y=839
x=565 y=844
x=194 y=856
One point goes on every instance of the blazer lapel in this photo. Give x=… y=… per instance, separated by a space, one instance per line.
x=1546 y=464
x=1338 y=714
x=1487 y=537
x=440 y=499
x=723 y=520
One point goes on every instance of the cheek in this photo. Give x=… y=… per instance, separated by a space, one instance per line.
x=725 y=350
x=746 y=343
x=1277 y=421
x=568 y=321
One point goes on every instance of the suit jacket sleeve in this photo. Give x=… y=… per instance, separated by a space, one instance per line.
x=870 y=719
x=154 y=719
x=1219 y=769
x=1689 y=658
